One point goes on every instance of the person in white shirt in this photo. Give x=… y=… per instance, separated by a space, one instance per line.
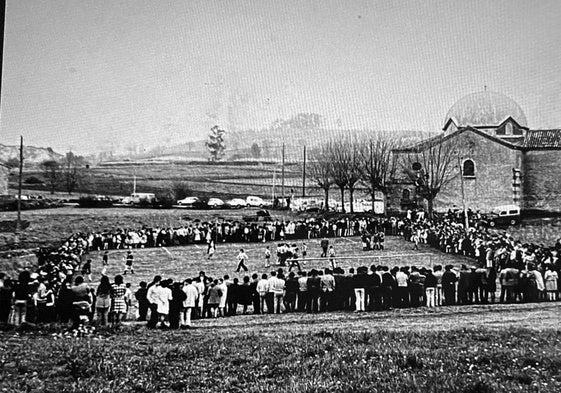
x=242 y=258
x=263 y=289
x=190 y=302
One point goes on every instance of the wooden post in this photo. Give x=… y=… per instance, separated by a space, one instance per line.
x=304 y=174
x=282 y=176
x=18 y=223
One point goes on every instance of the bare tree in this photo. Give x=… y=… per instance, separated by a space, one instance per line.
x=53 y=173
x=431 y=166
x=72 y=171
x=320 y=170
x=377 y=164
x=341 y=162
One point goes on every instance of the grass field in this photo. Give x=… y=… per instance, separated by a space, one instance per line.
x=451 y=349
x=187 y=261
x=467 y=349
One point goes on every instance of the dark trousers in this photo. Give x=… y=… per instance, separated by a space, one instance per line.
x=449 y=295
x=241 y=265
x=313 y=302
x=256 y=304
x=302 y=301
x=142 y=310
x=270 y=302
x=153 y=316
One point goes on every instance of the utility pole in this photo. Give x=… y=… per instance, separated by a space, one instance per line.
x=372 y=177
x=463 y=193
x=304 y=174
x=282 y=176
x=18 y=223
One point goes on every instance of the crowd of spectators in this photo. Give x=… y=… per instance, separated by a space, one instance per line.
x=57 y=291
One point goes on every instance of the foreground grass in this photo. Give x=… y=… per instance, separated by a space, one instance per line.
x=296 y=356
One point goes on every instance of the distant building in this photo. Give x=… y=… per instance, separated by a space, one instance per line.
x=4 y=171
x=503 y=161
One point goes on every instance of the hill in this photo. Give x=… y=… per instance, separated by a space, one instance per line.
x=31 y=155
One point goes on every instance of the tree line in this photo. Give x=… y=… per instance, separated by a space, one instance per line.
x=380 y=163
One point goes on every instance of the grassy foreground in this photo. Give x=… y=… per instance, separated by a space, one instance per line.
x=302 y=353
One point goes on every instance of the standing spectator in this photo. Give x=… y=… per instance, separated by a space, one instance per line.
x=22 y=297
x=291 y=292
x=128 y=301
x=214 y=295
x=152 y=299
x=163 y=296
x=81 y=301
x=118 y=303
x=175 y=305
x=277 y=287
x=223 y=296
x=302 y=291
x=438 y=297
x=103 y=300
x=242 y=258
x=359 y=284
x=430 y=288
x=190 y=302
x=449 y=286
x=551 y=278
x=245 y=294
x=402 y=280
x=6 y=293
x=314 y=291
x=140 y=296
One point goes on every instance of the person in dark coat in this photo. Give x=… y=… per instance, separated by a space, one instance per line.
x=143 y=304
x=175 y=305
x=449 y=286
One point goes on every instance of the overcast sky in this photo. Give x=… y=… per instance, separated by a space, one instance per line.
x=82 y=74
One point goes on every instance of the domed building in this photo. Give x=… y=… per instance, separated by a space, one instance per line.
x=486 y=157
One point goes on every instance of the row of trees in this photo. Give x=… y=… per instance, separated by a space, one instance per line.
x=351 y=162
x=69 y=173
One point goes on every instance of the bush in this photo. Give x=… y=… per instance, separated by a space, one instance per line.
x=181 y=190
x=33 y=180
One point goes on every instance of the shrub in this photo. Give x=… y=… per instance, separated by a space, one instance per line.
x=33 y=180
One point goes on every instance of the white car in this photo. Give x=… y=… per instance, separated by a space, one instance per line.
x=236 y=203
x=215 y=203
x=189 y=201
x=254 y=201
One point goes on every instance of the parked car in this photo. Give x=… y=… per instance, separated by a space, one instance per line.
x=504 y=215
x=139 y=197
x=254 y=201
x=236 y=203
x=192 y=202
x=215 y=203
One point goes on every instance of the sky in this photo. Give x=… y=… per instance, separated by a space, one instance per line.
x=87 y=75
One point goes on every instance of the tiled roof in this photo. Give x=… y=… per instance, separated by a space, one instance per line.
x=443 y=137
x=543 y=139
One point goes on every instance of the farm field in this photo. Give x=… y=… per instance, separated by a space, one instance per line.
x=225 y=181
x=471 y=349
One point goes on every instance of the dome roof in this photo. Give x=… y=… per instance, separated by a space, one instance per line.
x=485 y=108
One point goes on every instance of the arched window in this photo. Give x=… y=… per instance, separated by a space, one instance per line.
x=508 y=128
x=405 y=195
x=416 y=166
x=468 y=169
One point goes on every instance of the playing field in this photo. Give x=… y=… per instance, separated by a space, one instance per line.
x=182 y=262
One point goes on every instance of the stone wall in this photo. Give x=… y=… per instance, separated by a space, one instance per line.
x=541 y=180
x=492 y=184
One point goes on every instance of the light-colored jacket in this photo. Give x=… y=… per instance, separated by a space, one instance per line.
x=192 y=294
